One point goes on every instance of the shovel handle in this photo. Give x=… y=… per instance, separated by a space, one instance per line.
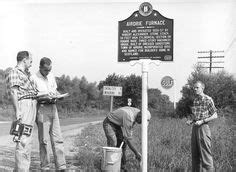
x=121 y=144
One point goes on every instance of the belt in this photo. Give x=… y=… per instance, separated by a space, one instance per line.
x=22 y=98
x=47 y=103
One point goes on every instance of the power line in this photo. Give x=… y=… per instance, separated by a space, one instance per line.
x=211 y=57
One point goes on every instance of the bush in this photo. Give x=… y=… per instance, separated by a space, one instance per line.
x=220 y=86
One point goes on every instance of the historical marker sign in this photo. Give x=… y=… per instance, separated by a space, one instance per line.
x=112 y=91
x=146 y=34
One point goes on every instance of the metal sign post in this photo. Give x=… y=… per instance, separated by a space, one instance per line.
x=168 y=82
x=111 y=103
x=144 y=64
x=174 y=94
x=144 y=115
x=145 y=37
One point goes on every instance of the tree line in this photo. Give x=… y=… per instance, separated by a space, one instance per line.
x=84 y=95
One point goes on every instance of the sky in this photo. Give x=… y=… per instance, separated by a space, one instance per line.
x=81 y=37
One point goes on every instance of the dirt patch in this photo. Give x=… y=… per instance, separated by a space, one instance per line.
x=7 y=147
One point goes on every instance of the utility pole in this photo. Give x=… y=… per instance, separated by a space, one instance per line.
x=211 y=61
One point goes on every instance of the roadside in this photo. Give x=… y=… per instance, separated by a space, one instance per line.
x=7 y=146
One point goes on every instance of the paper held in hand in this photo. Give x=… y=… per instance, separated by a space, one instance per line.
x=50 y=99
x=60 y=96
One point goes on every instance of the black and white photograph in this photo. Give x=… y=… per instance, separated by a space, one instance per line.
x=117 y=85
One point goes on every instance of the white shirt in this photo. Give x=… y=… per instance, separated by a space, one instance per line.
x=45 y=85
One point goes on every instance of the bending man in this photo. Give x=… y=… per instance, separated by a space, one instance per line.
x=118 y=127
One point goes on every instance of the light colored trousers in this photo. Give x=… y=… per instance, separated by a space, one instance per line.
x=27 y=109
x=49 y=129
x=202 y=160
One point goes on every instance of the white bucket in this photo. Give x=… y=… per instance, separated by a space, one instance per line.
x=111 y=159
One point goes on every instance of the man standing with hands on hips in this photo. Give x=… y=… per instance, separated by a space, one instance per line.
x=47 y=118
x=203 y=111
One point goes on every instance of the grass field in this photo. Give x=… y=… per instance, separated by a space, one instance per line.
x=168 y=142
x=168 y=145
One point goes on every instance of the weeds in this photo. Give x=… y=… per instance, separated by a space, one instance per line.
x=168 y=145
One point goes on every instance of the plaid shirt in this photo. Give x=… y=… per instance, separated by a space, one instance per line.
x=203 y=107
x=26 y=87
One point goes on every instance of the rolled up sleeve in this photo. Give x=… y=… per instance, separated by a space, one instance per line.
x=13 y=79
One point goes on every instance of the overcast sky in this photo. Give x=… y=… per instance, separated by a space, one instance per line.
x=81 y=37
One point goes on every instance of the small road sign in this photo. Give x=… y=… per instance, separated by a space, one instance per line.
x=112 y=91
x=167 y=82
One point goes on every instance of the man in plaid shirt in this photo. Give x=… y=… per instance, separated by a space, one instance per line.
x=22 y=93
x=203 y=111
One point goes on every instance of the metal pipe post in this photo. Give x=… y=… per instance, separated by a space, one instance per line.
x=111 y=103
x=144 y=115
x=145 y=63
x=174 y=94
